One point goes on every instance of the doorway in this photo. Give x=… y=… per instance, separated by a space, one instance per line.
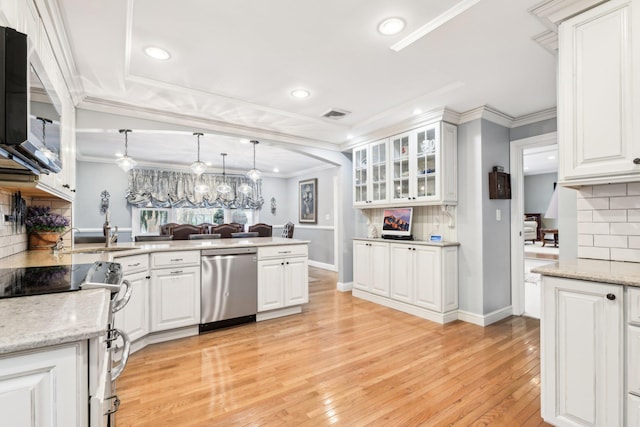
x=525 y=300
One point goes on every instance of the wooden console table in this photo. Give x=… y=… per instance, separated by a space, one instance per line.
x=546 y=231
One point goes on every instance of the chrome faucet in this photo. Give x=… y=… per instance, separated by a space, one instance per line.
x=109 y=237
x=59 y=245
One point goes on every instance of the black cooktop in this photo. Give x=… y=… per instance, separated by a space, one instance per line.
x=16 y=282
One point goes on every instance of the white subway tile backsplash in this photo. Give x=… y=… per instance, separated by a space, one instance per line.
x=610 y=190
x=585 y=240
x=593 y=228
x=619 y=215
x=633 y=189
x=585 y=192
x=633 y=215
x=630 y=255
x=634 y=242
x=627 y=202
x=593 y=252
x=623 y=228
x=593 y=203
x=585 y=216
x=608 y=241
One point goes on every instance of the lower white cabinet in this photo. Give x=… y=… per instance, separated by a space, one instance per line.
x=633 y=411
x=44 y=388
x=134 y=317
x=371 y=267
x=413 y=277
x=582 y=353
x=175 y=298
x=282 y=283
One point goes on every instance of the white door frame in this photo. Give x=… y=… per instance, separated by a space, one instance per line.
x=517 y=148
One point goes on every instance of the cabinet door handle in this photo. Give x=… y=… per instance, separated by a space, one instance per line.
x=176 y=260
x=147 y=277
x=611 y=297
x=282 y=263
x=284 y=252
x=133 y=265
x=176 y=272
x=636 y=161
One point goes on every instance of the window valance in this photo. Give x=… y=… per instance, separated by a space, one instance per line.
x=168 y=189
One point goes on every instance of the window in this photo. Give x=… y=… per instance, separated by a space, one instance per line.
x=149 y=220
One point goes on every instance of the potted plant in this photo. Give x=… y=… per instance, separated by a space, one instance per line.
x=44 y=227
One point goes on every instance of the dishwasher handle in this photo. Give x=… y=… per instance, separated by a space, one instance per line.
x=229 y=251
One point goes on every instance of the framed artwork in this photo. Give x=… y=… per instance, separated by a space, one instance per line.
x=308 y=201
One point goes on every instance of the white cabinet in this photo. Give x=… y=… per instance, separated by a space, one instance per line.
x=417 y=167
x=599 y=95
x=283 y=277
x=633 y=411
x=424 y=276
x=633 y=357
x=582 y=353
x=44 y=388
x=370 y=174
x=175 y=290
x=134 y=317
x=371 y=267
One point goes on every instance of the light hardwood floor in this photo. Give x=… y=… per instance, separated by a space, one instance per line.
x=344 y=362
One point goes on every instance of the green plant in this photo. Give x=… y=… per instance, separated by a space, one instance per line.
x=40 y=218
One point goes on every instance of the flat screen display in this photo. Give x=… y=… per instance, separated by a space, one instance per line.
x=397 y=221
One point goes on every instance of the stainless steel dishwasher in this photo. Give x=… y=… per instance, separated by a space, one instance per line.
x=229 y=287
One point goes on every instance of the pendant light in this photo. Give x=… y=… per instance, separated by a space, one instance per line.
x=245 y=188
x=254 y=173
x=198 y=167
x=201 y=187
x=223 y=187
x=46 y=150
x=125 y=162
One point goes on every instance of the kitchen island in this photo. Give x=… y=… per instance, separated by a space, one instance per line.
x=590 y=342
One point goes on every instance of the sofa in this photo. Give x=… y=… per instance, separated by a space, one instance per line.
x=530 y=230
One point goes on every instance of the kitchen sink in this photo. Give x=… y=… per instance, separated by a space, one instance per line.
x=101 y=250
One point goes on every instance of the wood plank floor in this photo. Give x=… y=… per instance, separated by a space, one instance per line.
x=344 y=362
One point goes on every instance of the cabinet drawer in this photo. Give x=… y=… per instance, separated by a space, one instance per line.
x=282 y=251
x=134 y=263
x=633 y=368
x=634 y=305
x=173 y=259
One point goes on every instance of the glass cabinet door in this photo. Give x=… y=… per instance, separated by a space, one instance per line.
x=425 y=159
x=360 y=179
x=400 y=165
x=379 y=172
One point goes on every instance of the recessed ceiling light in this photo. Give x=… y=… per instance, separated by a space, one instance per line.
x=551 y=157
x=417 y=111
x=349 y=136
x=157 y=53
x=208 y=163
x=300 y=93
x=276 y=170
x=391 y=26
x=119 y=154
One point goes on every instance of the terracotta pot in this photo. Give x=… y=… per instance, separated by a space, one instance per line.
x=43 y=240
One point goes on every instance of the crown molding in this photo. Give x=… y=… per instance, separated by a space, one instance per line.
x=118 y=108
x=53 y=23
x=552 y=12
x=539 y=116
x=548 y=40
x=487 y=113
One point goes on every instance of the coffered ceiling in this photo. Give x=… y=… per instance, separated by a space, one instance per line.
x=234 y=64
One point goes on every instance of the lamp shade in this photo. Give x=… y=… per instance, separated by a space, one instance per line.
x=126 y=163
x=198 y=167
x=552 y=210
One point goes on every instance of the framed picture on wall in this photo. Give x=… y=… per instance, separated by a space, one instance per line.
x=308 y=201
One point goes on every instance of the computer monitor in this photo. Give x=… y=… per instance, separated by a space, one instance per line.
x=397 y=221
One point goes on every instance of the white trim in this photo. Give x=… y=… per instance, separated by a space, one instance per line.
x=517 y=213
x=344 y=286
x=96 y=229
x=162 y=336
x=407 y=308
x=548 y=40
x=337 y=194
x=322 y=265
x=486 y=319
x=488 y=113
x=434 y=24
x=550 y=113
x=287 y=311
x=552 y=12
x=311 y=227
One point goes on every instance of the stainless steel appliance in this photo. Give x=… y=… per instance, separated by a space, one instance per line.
x=229 y=290
x=104 y=401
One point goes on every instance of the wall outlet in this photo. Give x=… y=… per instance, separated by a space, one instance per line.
x=498 y=215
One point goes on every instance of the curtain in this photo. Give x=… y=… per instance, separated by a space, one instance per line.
x=167 y=189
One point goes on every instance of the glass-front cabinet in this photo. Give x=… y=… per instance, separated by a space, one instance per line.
x=420 y=167
x=370 y=174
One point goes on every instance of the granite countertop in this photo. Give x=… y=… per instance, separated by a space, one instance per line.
x=409 y=242
x=44 y=320
x=613 y=272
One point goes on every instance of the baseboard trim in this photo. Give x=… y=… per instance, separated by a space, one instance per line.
x=344 y=287
x=424 y=313
x=486 y=319
x=162 y=336
x=323 y=265
x=273 y=314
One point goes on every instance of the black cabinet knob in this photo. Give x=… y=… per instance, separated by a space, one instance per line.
x=636 y=161
x=611 y=297
x=68 y=186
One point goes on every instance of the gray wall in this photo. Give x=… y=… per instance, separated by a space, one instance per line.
x=279 y=189
x=91 y=180
x=538 y=190
x=496 y=237
x=533 y=129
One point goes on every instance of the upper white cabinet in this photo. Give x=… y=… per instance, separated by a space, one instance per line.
x=417 y=167
x=599 y=95
x=370 y=174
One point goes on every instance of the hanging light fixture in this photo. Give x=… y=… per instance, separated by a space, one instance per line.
x=245 y=188
x=223 y=187
x=254 y=173
x=125 y=162
x=46 y=150
x=198 y=167
x=201 y=187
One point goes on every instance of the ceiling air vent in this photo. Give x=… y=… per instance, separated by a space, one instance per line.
x=335 y=114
